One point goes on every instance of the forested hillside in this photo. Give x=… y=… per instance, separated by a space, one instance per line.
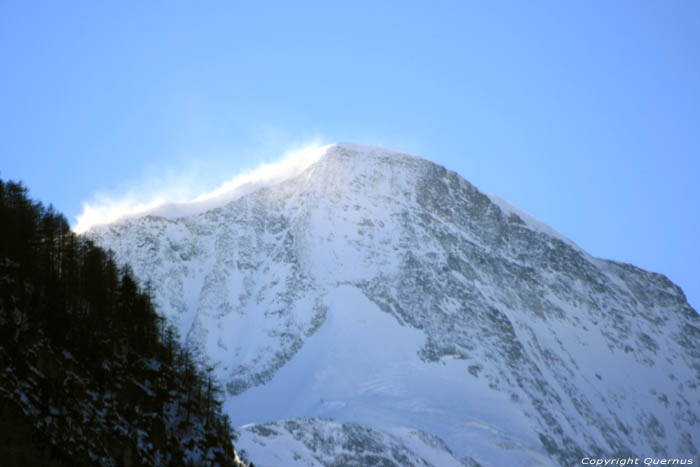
x=90 y=374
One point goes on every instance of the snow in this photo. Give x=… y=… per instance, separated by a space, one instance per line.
x=531 y=221
x=363 y=366
x=310 y=441
x=106 y=210
x=301 y=295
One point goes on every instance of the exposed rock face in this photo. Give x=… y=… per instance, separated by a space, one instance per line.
x=379 y=288
x=320 y=442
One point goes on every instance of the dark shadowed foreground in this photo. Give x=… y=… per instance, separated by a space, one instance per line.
x=90 y=375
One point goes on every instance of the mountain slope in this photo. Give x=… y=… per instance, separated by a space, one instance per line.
x=382 y=289
x=318 y=442
x=88 y=374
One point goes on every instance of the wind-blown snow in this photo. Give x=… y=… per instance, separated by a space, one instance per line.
x=105 y=209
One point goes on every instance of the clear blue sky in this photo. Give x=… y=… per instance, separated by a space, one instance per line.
x=585 y=114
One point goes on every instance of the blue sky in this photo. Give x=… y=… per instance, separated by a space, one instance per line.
x=585 y=114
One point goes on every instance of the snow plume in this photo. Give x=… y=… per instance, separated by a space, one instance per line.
x=179 y=196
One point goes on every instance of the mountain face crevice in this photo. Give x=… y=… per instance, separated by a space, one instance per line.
x=528 y=341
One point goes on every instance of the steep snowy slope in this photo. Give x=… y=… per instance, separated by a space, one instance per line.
x=379 y=288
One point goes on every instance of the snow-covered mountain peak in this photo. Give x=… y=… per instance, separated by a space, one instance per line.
x=347 y=166
x=294 y=162
x=376 y=287
x=364 y=158
x=366 y=149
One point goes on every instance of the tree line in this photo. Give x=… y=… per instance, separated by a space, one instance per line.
x=77 y=327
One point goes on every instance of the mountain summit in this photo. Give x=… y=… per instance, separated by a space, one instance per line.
x=377 y=308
